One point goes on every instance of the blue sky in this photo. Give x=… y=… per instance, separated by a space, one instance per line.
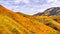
x=29 y=6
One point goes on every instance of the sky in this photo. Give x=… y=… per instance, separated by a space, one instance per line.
x=29 y=6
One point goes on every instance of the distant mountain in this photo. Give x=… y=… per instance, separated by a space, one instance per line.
x=50 y=11
x=38 y=14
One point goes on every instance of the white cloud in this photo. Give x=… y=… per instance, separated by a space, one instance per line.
x=26 y=1
x=16 y=7
x=18 y=1
x=51 y=1
x=55 y=3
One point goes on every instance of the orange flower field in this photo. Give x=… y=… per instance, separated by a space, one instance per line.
x=18 y=23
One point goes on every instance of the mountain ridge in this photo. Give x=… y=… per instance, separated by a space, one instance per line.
x=50 y=11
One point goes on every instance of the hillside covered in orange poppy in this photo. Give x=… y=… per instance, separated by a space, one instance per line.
x=18 y=23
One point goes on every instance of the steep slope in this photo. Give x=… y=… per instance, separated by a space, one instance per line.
x=50 y=12
x=13 y=26
x=53 y=13
x=31 y=25
x=56 y=18
x=3 y=30
x=48 y=21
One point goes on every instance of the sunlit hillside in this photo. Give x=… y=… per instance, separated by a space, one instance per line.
x=25 y=15
x=50 y=17
x=19 y=23
x=48 y=20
